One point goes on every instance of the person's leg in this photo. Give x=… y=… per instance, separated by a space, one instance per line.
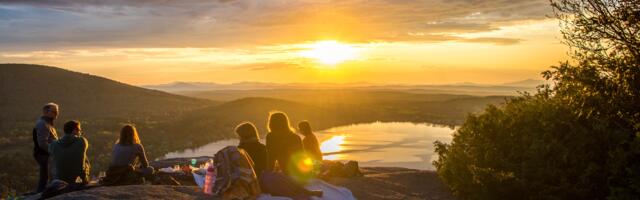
x=148 y=173
x=43 y=162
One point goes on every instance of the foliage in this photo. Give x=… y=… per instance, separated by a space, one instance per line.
x=577 y=140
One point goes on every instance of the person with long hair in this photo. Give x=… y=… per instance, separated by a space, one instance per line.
x=129 y=151
x=249 y=141
x=285 y=152
x=310 y=141
x=282 y=144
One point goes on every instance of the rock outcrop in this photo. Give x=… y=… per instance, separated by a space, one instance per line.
x=377 y=183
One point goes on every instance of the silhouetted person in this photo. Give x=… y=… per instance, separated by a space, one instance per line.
x=129 y=151
x=310 y=141
x=43 y=134
x=70 y=155
x=282 y=144
x=250 y=143
x=284 y=147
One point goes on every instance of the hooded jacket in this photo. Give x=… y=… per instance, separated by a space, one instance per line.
x=70 y=158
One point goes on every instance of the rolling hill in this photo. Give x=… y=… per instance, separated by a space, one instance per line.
x=169 y=122
x=25 y=88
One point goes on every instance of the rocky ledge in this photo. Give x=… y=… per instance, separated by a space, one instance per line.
x=377 y=183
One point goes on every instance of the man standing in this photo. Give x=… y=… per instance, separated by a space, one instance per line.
x=44 y=134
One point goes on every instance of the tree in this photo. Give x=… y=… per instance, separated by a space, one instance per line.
x=577 y=140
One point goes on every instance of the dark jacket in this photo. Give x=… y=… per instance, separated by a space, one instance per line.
x=43 y=134
x=258 y=153
x=282 y=147
x=312 y=147
x=70 y=158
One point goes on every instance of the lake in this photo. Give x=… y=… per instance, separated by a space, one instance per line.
x=380 y=144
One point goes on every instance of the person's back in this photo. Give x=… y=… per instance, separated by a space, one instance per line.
x=258 y=153
x=310 y=141
x=312 y=147
x=70 y=155
x=249 y=142
x=128 y=151
x=131 y=154
x=281 y=147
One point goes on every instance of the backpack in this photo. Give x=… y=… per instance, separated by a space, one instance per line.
x=235 y=177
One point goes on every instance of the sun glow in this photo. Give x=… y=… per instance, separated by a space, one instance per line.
x=332 y=146
x=329 y=52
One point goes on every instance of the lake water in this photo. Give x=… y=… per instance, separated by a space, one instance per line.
x=380 y=144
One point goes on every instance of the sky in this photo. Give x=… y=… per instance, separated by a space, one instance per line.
x=284 y=41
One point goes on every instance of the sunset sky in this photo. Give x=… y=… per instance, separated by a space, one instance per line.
x=342 y=41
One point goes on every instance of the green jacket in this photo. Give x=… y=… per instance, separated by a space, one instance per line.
x=70 y=158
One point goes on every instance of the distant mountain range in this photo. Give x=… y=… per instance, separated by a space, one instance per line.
x=468 y=88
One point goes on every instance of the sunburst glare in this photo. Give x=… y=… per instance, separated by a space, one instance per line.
x=329 y=52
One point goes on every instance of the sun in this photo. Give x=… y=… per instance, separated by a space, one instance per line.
x=329 y=52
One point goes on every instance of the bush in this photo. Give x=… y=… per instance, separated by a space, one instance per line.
x=578 y=140
x=533 y=148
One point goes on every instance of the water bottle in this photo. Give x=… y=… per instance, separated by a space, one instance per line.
x=209 y=179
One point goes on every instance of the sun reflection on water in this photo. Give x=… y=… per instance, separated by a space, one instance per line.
x=332 y=145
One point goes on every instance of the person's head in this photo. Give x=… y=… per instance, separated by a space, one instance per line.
x=278 y=122
x=304 y=127
x=247 y=132
x=50 y=110
x=128 y=135
x=72 y=127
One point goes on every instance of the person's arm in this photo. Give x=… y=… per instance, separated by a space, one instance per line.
x=43 y=133
x=142 y=156
x=270 y=154
x=297 y=145
x=87 y=167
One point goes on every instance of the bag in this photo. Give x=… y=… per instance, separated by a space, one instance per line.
x=351 y=169
x=235 y=177
x=122 y=175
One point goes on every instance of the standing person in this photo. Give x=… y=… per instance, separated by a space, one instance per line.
x=249 y=141
x=282 y=144
x=43 y=134
x=70 y=155
x=128 y=151
x=310 y=141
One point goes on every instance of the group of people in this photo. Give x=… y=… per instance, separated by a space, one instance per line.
x=65 y=158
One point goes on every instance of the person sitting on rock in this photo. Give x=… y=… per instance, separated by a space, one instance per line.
x=128 y=151
x=282 y=144
x=310 y=141
x=70 y=155
x=249 y=141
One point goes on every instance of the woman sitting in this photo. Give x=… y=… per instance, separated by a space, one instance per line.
x=128 y=156
x=249 y=142
x=310 y=141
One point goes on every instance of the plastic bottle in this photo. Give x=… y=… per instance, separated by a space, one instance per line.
x=209 y=179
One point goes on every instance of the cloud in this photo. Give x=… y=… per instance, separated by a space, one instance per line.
x=493 y=40
x=54 y=24
x=269 y=66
